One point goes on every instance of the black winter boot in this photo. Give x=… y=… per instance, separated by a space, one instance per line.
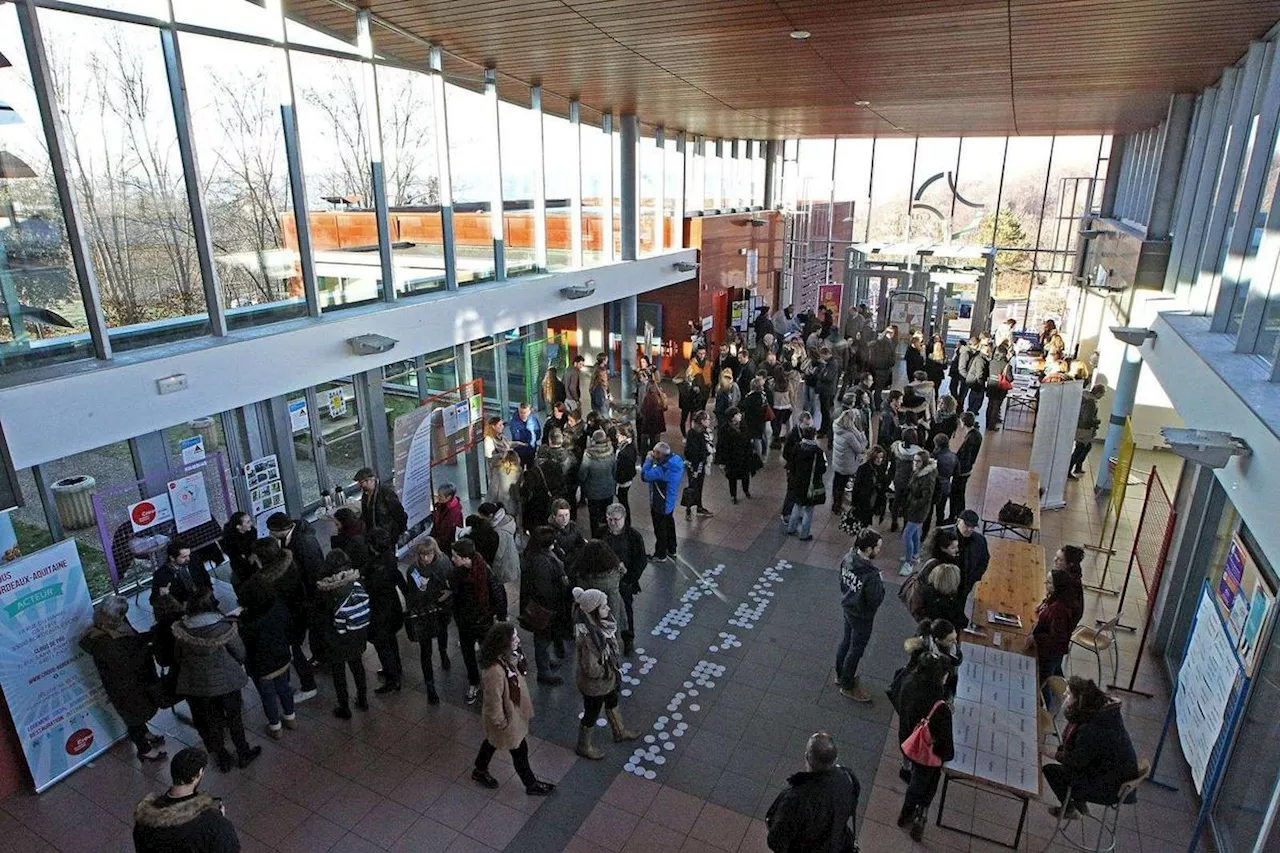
x=918 y=820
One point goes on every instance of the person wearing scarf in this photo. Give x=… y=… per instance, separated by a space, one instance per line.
x=507 y=710
x=128 y=672
x=595 y=634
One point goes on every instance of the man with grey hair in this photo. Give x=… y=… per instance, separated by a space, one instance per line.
x=628 y=545
x=818 y=811
x=663 y=471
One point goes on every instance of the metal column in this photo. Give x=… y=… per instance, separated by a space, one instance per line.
x=471 y=458
x=1121 y=408
x=377 y=171
x=981 y=317
x=496 y=217
x=277 y=411
x=629 y=198
x=540 y=182
x=1177 y=131
x=444 y=176
x=500 y=374
x=372 y=405
x=606 y=228
x=627 y=310
x=575 y=198
x=1203 y=199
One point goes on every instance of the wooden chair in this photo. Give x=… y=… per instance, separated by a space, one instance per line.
x=1098 y=640
x=1107 y=822
x=1047 y=716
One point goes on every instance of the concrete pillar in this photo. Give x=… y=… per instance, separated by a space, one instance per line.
x=1121 y=408
x=471 y=458
x=627 y=311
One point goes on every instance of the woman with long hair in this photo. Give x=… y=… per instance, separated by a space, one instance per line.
x=1096 y=756
x=653 y=418
x=238 y=536
x=507 y=709
x=128 y=672
x=936 y=362
x=553 y=390
x=848 y=450
x=429 y=600
x=728 y=395
x=733 y=451
x=600 y=397
x=595 y=632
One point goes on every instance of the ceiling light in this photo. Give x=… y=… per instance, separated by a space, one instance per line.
x=862 y=103
x=799 y=35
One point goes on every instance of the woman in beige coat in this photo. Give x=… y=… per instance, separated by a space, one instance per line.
x=507 y=709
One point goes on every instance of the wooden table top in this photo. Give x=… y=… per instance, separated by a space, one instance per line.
x=1011 y=484
x=1014 y=583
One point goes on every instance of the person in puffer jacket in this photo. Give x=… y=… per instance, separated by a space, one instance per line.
x=848 y=450
x=344 y=629
x=210 y=657
x=902 y=455
x=663 y=471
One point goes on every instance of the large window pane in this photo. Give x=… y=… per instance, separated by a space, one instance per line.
x=1256 y=224
x=695 y=171
x=472 y=152
x=113 y=92
x=853 y=185
x=1022 y=206
x=596 y=194
x=518 y=124
x=712 y=198
x=42 y=319
x=671 y=193
x=977 y=189
x=890 y=190
x=234 y=92
x=241 y=16
x=931 y=196
x=336 y=153
x=651 y=170
x=561 y=177
x=406 y=107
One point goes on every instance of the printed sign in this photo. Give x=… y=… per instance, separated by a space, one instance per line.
x=298 y=415
x=192 y=449
x=150 y=512
x=336 y=402
x=753 y=267
x=190 y=501
x=461 y=416
x=411 y=444
x=59 y=707
x=477 y=408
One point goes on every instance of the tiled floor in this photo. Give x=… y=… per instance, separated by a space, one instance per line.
x=723 y=740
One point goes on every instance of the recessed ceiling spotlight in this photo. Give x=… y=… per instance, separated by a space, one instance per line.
x=799 y=35
x=862 y=103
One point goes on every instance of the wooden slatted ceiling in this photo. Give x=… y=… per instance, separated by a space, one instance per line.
x=930 y=67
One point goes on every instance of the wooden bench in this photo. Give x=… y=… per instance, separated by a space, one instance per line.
x=1013 y=583
x=1011 y=484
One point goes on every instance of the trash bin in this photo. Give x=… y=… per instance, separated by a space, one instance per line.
x=204 y=427
x=73 y=496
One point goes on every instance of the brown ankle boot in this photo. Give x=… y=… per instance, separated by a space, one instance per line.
x=620 y=732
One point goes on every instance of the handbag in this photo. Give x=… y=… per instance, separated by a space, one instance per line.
x=849 y=523
x=768 y=413
x=534 y=617
x=911 y=593
x=817 y=488
x=1016 y=513
x=918 y=747
x=1006 y=384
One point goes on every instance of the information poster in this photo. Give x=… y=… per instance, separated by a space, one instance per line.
x=266 y=491
x=829 y=296
x=189 y=498
x=753 y=267
x=192 y=450
x=449 y=416
x=336 y=402
x=1252 y=633
x=1205 y=683
x=738 y=315
x=412 y=451
x=60 y=709
x=461 y=416
x=150 y=512
x=1229 y=586
x=298 y=415
x=476 y=404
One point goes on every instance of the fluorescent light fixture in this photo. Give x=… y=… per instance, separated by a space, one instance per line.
x=799 y=35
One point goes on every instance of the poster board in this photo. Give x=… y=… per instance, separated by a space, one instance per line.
x=59 y=707
x=829 y=297
x=266 y=490
x=149 y=512
x=298 y=419
x=1245 y=600
x=189 y=497
x=906 y=310
x=1057 y=412
x=411 y=449
x=1206 y=685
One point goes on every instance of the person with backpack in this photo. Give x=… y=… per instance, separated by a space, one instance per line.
x=902 y=458
x=505 y=564
x=429 y=600
x=1087 y=424
x=848 y=449
x=976 y=373
x=882 y=357
x=544 y=612
x=805 y=487
x=819 y=809
x=925 y=732
x=475 y=606
x=967 y=455
x=598 y=477
x=265 y=628
x=862 y=592
x=343 y=629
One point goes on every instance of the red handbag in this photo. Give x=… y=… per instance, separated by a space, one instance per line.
x=918 y=746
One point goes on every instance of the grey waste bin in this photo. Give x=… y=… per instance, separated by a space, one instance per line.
x=73 y=497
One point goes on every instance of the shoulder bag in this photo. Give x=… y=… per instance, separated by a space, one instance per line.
x=918 y=747
x=817 y=488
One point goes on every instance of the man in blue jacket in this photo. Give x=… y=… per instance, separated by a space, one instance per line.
x=663 y=471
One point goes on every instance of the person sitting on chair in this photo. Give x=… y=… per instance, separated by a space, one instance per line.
x=1096 y=756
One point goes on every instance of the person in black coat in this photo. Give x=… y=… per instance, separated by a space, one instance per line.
x=924 y=694
x=179 y=576
x=1096 y=756
x=976 y=373
x=307 y=567
x=870 y=488
x=380 y=506
x=381 y=578
x=182 y=819
x=543 y=582
x=733 y=451
x=123 y=658
x=967 y=455
x=941 y=598
x=266 y=628
x=352 y=538
x=819 y=809
x=237 y=541
x=697 y=456
x=628 y=546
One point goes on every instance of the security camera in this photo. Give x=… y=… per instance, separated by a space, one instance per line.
x=1132 y=335
x=579 y=291
x=371 y=344
x=1206 y=447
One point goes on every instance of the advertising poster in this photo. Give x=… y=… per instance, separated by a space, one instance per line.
x=9 y=549
x=1254 y=629
x=477 y=408
x=150 y=512
x=192 y=450
x=60 y=709
x=298 y=415
x=461 y=416
x=738 y=315
x=190 y=501
x=1205 y=682
x=336 y=403
x=829 y=296
x=411 y=439
x=1232 y=575
x=449 y=416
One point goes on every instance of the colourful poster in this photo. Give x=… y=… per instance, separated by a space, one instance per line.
x=192 y=450
x=59 y=707
x=1232 y=575
x=336 y=402
x=477 y=408
x=298 y=415
x=829 y=296
x=190 y=501
x=150 y=512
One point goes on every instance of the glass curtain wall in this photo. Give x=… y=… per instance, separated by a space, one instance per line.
x=473 y=147
x=597 y=191
x=651 y=172
x=562 y=179
x=518 y=124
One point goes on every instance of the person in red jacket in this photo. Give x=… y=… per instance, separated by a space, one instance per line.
x=1056 y=619
x=446 y=516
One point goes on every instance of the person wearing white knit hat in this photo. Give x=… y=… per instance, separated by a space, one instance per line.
x=595 y=634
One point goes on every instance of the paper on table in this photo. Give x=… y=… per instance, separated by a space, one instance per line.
x=1021 y=703
x=964 y=732
x=1022 y=776
x=973 y=652
x=964 y=760
x=991 y=767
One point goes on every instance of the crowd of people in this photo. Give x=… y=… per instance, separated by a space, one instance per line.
x=820 y=393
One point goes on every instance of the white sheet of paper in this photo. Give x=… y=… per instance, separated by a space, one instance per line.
x=964 y=760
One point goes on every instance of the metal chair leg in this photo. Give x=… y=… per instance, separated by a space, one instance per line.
x=1097 y=655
